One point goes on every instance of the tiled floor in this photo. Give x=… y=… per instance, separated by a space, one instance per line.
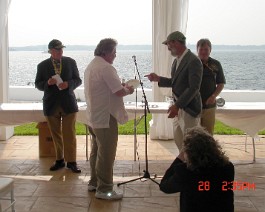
x=39 y=190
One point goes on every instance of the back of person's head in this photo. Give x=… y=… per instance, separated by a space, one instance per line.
x=204 y=41
x=202 y=150
x=105 y=46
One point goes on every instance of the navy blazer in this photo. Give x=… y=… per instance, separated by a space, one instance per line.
x=53 y=97
x=185 y=83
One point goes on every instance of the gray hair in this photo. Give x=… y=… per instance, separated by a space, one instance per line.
x=202 y=150
x=204 y=41
x=105 y=46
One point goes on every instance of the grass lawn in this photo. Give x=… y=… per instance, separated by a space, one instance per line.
x=127 y=129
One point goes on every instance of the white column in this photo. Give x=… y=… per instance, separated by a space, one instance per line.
x=5 y=132
x=168 y=16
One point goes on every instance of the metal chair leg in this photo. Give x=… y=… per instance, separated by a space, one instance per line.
x=86 y=142
x=254 y=149
x=12 y=201
x=7 y=186
x=246 y=139
x=90 y=137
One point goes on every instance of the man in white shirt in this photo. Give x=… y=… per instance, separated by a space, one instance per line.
x=105 y=109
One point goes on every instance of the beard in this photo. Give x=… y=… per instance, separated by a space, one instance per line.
x=173 y=52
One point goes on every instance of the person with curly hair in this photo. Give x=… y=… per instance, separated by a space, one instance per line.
x=200 y=173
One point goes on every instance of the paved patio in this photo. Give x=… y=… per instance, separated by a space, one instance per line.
x=39 y=190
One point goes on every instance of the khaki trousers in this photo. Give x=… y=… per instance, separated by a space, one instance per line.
x=102 y=156
x=181 y=123
x=62 y=128
x=208 y=119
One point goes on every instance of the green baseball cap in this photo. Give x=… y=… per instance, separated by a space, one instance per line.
x=55 y=44
x=175 y=36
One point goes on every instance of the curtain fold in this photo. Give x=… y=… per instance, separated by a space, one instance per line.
x=5 y=132
x=168 y=16
x=4 y=6
x=4 y=77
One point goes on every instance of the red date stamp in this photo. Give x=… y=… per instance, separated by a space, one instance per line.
x=228 y=185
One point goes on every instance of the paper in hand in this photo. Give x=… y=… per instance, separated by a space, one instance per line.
x=58 y=80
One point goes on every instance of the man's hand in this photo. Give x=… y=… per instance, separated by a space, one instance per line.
x=52 y=81
x=211 y=100
x=181 y=156
x=130 y=88
x=173 y=111
x=153 y=77
x=63 y=85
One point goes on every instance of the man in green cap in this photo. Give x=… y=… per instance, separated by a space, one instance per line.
x=185 y=81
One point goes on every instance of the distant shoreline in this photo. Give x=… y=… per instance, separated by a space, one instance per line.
x=43 y=48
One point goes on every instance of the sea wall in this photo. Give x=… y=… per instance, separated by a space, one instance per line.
x=31 y=94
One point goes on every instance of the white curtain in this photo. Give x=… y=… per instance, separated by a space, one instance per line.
x=4 y=83
x=168 y=16
x=5 y=132
x=4 y=6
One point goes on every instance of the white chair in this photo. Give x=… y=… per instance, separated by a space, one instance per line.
x=7 y=186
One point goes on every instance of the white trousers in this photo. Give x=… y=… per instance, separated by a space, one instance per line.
x=181 y=123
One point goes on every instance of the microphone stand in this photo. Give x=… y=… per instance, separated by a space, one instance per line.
x=146 y=109
x=135 y=118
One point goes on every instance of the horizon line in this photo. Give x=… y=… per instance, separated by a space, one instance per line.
x=188 y=44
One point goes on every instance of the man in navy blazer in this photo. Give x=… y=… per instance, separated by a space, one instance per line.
x=58 y=77
x=185 y=81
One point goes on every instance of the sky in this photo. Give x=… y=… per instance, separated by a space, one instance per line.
x=227 y=22
x=85 y=22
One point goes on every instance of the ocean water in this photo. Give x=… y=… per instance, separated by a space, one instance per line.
x=244 y=70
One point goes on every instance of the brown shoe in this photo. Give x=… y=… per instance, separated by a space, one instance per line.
x=73 y=167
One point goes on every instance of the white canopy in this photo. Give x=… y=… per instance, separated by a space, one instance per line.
x=168 y=16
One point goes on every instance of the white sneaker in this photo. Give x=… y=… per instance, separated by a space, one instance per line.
x=112 y=195
x=91 y=188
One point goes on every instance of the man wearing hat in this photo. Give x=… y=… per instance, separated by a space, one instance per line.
x=58 y=77
x=185 y=81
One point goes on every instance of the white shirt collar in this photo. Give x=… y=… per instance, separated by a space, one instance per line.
x=183 y=54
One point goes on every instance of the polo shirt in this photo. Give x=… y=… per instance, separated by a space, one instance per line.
x=212 y=75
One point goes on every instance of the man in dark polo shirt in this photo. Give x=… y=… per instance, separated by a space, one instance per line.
x=213 y=81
